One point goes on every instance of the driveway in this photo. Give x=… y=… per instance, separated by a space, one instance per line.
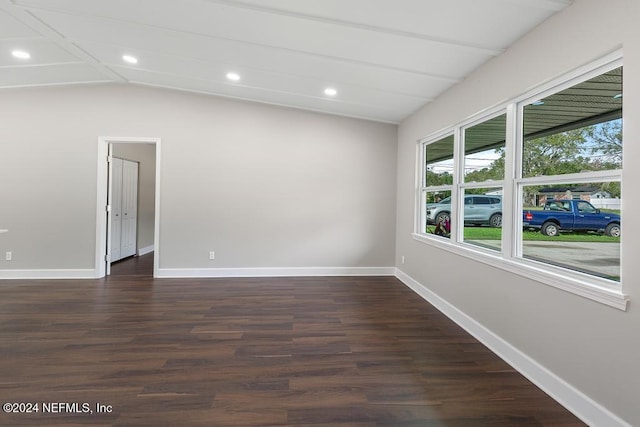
x=601 y=259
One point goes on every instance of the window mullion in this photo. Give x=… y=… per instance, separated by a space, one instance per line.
x=582 y=177
x=511 y=220
x=457 y=206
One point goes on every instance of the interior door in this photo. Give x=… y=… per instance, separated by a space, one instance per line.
x=128 y=245
x=116 y=209
x=109 y=214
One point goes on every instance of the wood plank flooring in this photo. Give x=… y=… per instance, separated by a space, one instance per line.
x=327 y=351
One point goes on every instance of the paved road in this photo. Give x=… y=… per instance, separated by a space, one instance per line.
x=593 y=257
x=602 y=259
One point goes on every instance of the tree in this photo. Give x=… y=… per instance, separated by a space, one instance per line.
x=608 y=138
x=442 y=178
x=495 y=170
x=557 y=154
x=590 y=148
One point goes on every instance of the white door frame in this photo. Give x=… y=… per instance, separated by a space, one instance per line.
x=104 y=144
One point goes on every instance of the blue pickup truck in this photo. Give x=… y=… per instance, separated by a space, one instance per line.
x=571 y=215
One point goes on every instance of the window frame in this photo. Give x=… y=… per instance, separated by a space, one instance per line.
x=463 y=185
x=423 y=188
x=510 y=258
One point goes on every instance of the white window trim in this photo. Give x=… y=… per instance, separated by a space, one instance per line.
x=567 y=280
x=421 y=179
x=589 y=286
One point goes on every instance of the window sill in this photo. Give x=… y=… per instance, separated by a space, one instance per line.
x=561 y=279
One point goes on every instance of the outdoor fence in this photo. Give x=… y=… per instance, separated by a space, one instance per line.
x=606 y=203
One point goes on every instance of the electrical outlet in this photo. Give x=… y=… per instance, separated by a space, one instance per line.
x=212 y=255
x=403 y=259
x=8 y=256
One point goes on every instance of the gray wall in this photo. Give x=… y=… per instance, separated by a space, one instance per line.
x=262 y=186
x=271 y=187
x=591 y=346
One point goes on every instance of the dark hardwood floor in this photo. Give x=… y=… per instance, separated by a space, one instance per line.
x=332 y=351
x=134 y=266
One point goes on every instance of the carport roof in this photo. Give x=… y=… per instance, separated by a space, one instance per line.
x=593 y=101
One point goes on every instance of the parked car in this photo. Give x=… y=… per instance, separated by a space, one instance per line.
x=571 y=215
x=478 y=209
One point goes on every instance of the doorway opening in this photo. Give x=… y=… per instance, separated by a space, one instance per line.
x=138 y=265
x=144 y=153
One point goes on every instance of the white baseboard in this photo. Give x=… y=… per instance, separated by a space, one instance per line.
x=276 y=272
x=209 y=272
x=48 y=274
x=571 y=398
x=145 y=250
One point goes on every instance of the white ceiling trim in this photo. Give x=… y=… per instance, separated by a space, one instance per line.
x=552 y=5
x=70 y=41
x=385 y=58
x=316 y=81
x=329 y=106
x=489 y=50
x=276 y=104
x=28 y=18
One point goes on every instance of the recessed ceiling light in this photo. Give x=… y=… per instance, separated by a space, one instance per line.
x=330 y=91
x=536 y=103
x=21 y=54
x=617 y=96
x=234 y=77
x=130 y=59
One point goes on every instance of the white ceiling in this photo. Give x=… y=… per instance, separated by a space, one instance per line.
x=386 y=58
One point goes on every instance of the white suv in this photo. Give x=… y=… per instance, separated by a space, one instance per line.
x=478 y=209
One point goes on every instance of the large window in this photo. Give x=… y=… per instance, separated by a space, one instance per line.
x=537 y=183
x=436 y=187
x=482 y=182
x=571 y=168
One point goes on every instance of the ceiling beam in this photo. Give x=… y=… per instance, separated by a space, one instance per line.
x=488 y=50
x=554 y=5
x=70 y=46
x=33 y=22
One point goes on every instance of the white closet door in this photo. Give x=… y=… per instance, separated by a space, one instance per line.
x=129 y=208
x=116 y=209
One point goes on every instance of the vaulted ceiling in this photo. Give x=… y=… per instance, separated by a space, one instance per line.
x=383 y=58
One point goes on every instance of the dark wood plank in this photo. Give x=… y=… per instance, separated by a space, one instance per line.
x=135 y=265
x=237 y=352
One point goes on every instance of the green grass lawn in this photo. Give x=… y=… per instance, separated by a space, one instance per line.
x=490 y=233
